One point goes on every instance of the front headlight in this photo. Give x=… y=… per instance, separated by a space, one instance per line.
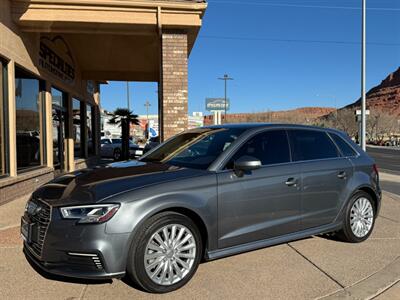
x=99 y=213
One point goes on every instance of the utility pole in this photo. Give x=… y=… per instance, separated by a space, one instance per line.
x=147 y=105
x=225 y=79
x=127 y=96
x=363 y=142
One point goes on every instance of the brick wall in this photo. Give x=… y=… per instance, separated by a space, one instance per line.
x=26 y=183
x=12 y=188
x=174 y=83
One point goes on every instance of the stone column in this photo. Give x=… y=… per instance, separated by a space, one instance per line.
x=49 y=125
x=173 y=106
x=69 y=158
x=12 y=123
x=97 y=118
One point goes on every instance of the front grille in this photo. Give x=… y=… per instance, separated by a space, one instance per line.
x=42 y=220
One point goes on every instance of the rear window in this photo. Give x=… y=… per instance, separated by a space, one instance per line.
x=310 y=145
x=344 y=147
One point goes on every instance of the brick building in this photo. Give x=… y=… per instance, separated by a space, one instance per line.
x=54 y=56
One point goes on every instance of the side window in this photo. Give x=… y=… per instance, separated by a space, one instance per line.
x=344 y=147
x=270 y=147
x=311 y=144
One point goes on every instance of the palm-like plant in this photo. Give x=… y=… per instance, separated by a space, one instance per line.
x=123 y=118
x=123 y=114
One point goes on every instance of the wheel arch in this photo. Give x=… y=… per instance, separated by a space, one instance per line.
x=362 y=188
x=373 y=195
x=195 y=217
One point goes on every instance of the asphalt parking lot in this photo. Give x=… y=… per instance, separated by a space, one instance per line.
x=387 y=158
x=313 y=268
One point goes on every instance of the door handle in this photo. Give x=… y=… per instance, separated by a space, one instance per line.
x=342 y=175
x=291 y=182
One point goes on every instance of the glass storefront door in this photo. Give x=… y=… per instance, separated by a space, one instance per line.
x=59 y=127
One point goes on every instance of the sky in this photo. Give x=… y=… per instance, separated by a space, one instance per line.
x=282 y=54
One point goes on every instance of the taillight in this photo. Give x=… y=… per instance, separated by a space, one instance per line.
x=375 y=167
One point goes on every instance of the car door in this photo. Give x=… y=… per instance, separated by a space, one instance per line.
x=324 y=175
x=105 y=148
x=263 y=203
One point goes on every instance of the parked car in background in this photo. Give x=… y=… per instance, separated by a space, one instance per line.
x=207 y=193
x=112 y=148
x=151 y=143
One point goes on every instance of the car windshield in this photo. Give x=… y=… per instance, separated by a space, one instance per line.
x=197 y=148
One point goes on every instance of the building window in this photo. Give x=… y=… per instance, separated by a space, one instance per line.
x=3 y=101
x=89 y=125
x=77 y=127
x=27 y=120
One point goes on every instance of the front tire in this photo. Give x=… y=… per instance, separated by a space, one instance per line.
x=165 y=253
x=359 y=220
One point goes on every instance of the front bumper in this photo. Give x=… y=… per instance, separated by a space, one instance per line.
x=68 y=270
x=76 y=250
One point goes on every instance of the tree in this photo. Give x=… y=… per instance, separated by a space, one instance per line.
x=124 y=118
x=346 y=121
x=381 y=125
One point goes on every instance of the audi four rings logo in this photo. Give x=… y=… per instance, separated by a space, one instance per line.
x=32 y=208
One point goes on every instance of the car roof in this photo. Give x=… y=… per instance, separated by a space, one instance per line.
x=249 y=126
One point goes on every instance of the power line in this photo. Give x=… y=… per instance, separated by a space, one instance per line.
x=215 y=37
x=306 y=6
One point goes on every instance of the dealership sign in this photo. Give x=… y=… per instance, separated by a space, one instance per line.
x=56 y=58
x=217 y=104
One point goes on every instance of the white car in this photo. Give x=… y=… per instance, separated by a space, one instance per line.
x=113 y=148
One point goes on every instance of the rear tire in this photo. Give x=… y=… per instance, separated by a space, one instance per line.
x=359 y=218
x=117 y=154
x=161 y=258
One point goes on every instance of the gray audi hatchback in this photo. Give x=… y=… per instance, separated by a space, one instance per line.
x=205 y=194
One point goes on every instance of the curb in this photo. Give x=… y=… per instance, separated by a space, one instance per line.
x=383 y=176
x=383 y=147
x=372 y=286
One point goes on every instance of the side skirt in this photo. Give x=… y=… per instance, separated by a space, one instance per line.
x=219 y=253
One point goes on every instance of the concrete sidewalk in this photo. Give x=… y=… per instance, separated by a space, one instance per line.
x=312 y=268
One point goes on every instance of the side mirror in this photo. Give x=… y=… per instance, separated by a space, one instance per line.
x=247 y=163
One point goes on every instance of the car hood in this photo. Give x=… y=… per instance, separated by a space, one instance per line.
x=94 y=185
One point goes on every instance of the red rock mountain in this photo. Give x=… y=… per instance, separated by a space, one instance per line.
x=385 y=97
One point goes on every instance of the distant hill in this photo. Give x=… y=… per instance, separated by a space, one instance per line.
x=298 y=115
x=385 y=97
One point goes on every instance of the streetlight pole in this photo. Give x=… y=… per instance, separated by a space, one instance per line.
x=363 y=77
x=225 y=79
x=147 y=105
x=127 y=95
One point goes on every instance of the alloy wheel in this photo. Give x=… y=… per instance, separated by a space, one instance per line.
x=361 y=217
x=117 y=154
x=170 y=254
